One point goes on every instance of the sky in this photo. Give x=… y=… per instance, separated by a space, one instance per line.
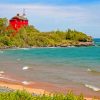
x=49 y=15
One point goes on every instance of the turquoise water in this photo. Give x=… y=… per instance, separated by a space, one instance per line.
x=79 y=65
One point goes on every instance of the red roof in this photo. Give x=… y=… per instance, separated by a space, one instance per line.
x=19 y=17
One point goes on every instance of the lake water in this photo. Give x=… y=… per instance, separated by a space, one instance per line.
x=76 y=65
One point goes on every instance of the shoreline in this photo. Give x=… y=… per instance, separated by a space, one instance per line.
x=35 y=88
x=27 y=48
x=20 y=86
x=40 y=87
x=81 y=44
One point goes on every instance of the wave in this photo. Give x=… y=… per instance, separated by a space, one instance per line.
x=17 y=48
x=24 y=48
x=92 y=87
x=51 y=47
x=18 y=59
x=93 y=71
x=1 y=51
x=26 y=83
x=71 y=46
x=25 y=68
x=89 y=70
x=2 y=72
x=9 y=79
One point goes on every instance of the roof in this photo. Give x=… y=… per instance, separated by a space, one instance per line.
x=19 y=17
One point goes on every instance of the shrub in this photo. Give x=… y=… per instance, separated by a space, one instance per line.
x=23 y=95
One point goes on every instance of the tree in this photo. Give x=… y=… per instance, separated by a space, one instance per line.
x=3 y=25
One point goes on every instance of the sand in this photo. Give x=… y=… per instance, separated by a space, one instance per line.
x=20 y=86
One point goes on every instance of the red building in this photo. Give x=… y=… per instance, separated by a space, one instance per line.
x=18 y=21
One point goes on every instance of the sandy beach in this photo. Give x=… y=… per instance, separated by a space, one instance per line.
x=34 y=88
x=19 y=86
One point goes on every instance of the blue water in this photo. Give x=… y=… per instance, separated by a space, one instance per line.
x=97 y=41
x=79 y=65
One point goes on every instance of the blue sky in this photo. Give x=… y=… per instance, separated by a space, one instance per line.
x=48 y=15
x=54 y=2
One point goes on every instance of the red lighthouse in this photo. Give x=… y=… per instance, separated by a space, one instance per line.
x=18 y=21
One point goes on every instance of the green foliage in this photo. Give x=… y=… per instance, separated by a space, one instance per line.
x=23 y=95
x=17 y=95
x=77 y=36
x=3 y=24
x=29 y=36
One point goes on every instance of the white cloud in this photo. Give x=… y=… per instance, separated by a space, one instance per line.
x=78 y=13
x=59 y=11
x=83 y=17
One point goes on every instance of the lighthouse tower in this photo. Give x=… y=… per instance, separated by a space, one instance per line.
x=18 y=21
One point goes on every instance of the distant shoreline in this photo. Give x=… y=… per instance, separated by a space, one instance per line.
x=81 y=44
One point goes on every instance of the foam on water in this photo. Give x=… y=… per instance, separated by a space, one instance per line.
x=89 y=70
x=92 y=87
x=51 y=47
x=18 y=48
x=2 y=72
x=13 y=80
x=93 y=71
x=25 y=48
x=25 y=68
x=26 y=82
x=18 y=59
x=1 y=51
